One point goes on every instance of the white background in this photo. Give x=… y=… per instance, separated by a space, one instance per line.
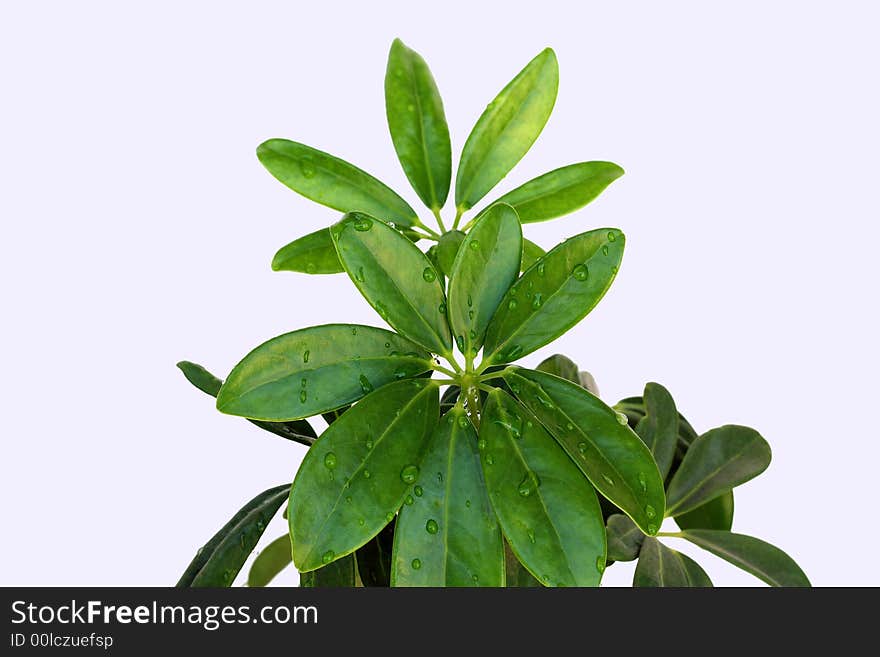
x=138 y=227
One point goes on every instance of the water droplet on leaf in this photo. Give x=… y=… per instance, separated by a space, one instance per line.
x=649 y=511
x=328 y=556
x=363 y=224
x=366 y=386
x=409 y=474
x=330 y=460
x=418 y=491
x=431 y=526
x=580 y=272
x=512 y=304
x=416 y=564
x=429 y=275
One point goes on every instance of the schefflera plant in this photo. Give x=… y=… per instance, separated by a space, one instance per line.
x=444 y=463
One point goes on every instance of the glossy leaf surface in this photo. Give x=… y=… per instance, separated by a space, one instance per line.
x=396 y=279
x=530 y=255
x=486 y=265
x=273 y=558
x=616 y=462
x=507 y=129
x=554 y=294
x=662 y=566
x=447 y=249
x=317 y=369
x=352 y=481
x=717 y=461
x=624 y=538
x=764 y=561
x=561 y=366
x=447 y=533
x=310 y=254
x=418 y=124
x=658 y=429
x=547 y=509
x=717 y=513
x=335 y=575
x=330 y=181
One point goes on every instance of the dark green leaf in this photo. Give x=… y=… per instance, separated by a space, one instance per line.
x=561 y=366
x=200 y=377
x=753 y=555
x=486 y=265
x=374 y=558
x=217 y=563
x=561 y=191
x=331 y=416
x=717 y=513
x=531 y=254
x=507 y=129
x=662 y=566
x=335 y=575
x=624 y=538
x=547 y=509
x=447 y=533
x=396 y=279
x=450 y=396
x=274 y=558
x=659 y=427
x=517 y=575
x=362 y=457
x=332 y=182
x=616 y=462
x=418 y=124
x=554 y=294
x=317 y=369
x=311 y=254
x=717 y=461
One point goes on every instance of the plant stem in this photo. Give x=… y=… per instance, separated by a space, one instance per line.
x=445 y=382
x=439 y=219
x=476 y=408
x=443 y=370
x=427 y=229
x=486 y=388
x=458 y=212
x=490 y=376
x=451 y=360
x=468 y=225
x=670 y=534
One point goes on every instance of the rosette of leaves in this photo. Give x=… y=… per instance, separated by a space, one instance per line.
x=443 y=463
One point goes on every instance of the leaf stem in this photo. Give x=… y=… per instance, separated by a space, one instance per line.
x=443 y=370
x=670 y=534
x=486 y=388
x=439 y=219
x=428 y=229
x=491 y=375
x=468 y=225
x=445 y=382
x=450 y=358
x=474 y=405
x=458 y=212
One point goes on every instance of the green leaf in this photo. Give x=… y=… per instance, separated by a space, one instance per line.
x=317 y=369
x=448 y=399
x=717 y=461
x=299 y=431
x=561 y=366
x=396 y=279
x=333 y=182
x=517 y=575
x=659 y=427
x=587 y=382
x=548 y=511
x=363 y=457
x=531 y=254
x=764 y=561
x=418 y=124
x=447 y=533
x=335 y=575
x=717 y=513
x=447 y=249
x=374 y=558
x=554 y=294
x=624 y=538
x=219 y=560
x=608 y=453
x=507 y=129
x=486 y=265
x=311 y=254
x=274 y=558
x=561 y=191
x=662 y=566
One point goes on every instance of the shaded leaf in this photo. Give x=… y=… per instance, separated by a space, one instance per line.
x=274 y=558
x=717 y=513
x=335 y=575
x=374 y=557
x=662 y=566
x=659 y=427
x=310 y=254
x=517 y=575
x=624 y=538
x=447 y=249
x=561 y=366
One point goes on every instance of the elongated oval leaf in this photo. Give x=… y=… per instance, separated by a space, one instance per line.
x=299 y=431
x=658 y=429
x=531 y=254
x=447 y=533
x=717 y=461
x=561 y=191
x=486 y=265
x=624 y=538
x=274 y=558
x=717 y=513
x=396 y=279
x=310 y=254
x=764 y=561
x=335 y=575
x=554 y=294
x=517 y=575
x=317 y=369
x=611 y=456
x=547 y=509
x=447 y=249
x=662 y=566
x=374 y=558
x=561 y=366
x=353 y=479
x=221 y=558
x=507 y=129
x=418 y=124
x=332 y=182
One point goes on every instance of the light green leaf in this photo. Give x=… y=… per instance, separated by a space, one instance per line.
x=311 y=254
x=662 y=566
x=274 y=558
x=659 y=427
x=507 y=129
x=317 y=369
x=396 y=279
x=554 y=294
x=335 y=575
x=561 y=191
x=333 y=182
x=447 y=249
x=608 y=453
x=486 y=265
x=547 y=509
x=717 y=513
x=531 y=254
x=717 y=461
x=418 y=124
x=219 y=560
x=561 y=366
x=624 y=538
x=447 y=533
x=354 y=478
x=764 y=561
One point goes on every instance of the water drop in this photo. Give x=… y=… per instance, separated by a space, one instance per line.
x=306 y=354
x=330 y=460
x=361 y=522
x=652 y=529
x=569 y=426
x=583 y=448
x=328 y=556
x=348 y=499
x=600 y=564
x=512 y=304
x=307 y=168
x=612 y=236
x=366 y=386
x=389 y=516
x=381 y=309
x=475 y=578
x=649 y=511
x=467 y=503
x=429 y=275
x=608 y=480
x=614 y=269
x=529 y=484
x=580 y=272
x=431 y=526
x=545 y=401
x=399 y=374
x=442 y=308
x=463 y=422
x=439 y=477
x=303 y=395
x=621 y=417
x=417 y=491
x=416 y=564
x=409 y=474
x=471 y=317
x=354 y=330
x=513 y=352
x=359 y=276
x=363 y=224
x=387 y=345
x=459 y=340
x=536 y=302
x=490 y=460
x=474 y=245
x=367 y=474
x=531 y=534
x=369 y=444
x=481 y=443
x=643 y=482
x=303 y=382
x=605 y=250
x=408 y=500
x=473 y=334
